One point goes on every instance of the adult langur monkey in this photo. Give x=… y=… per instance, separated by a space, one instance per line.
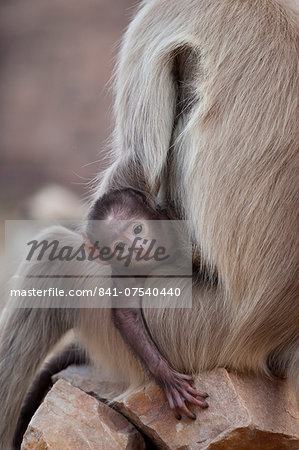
x=206 y=115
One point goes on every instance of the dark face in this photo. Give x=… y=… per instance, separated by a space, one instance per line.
x=125 y=233
x=144 y=236
x=129 y=226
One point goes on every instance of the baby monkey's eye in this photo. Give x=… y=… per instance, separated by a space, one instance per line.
x=138 y=229
x=120 y=246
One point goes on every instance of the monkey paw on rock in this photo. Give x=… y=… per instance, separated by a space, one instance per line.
x=178 y=391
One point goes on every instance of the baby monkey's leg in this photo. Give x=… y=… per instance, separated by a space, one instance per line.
x=131 y=325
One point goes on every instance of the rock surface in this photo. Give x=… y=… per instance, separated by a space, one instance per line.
x=244 y=413
x=92 y=380
x=69 y=419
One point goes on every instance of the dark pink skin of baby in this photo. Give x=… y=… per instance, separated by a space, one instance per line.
x=130 y=322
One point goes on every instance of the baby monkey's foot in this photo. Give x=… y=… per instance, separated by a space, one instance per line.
x=178 y=391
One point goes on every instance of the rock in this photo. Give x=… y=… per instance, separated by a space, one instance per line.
x=92 y=380
x=69 y=419
x=244 y=413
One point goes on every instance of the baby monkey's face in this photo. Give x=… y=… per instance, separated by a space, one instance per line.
x=125 y=231
x=135 y=233
x=145 y=242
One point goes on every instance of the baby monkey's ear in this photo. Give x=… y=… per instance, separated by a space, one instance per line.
x=92 y=251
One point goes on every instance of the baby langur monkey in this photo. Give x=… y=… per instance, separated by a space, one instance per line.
x=137 y=234
x=132 y=230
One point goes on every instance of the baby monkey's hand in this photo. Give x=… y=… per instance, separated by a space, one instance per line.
x=178 y=390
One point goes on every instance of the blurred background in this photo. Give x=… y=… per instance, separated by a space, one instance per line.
x=56 y=58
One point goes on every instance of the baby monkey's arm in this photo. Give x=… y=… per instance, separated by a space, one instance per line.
x=132 y=327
